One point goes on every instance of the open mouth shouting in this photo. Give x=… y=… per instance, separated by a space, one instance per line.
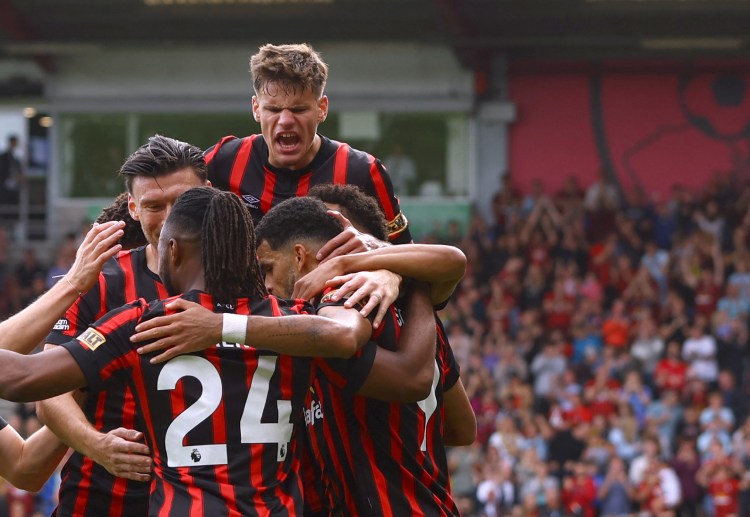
x=287 y=142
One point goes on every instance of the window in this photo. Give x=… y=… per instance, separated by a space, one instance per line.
x=433 y=146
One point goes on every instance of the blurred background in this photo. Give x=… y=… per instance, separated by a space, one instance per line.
x=591 y=157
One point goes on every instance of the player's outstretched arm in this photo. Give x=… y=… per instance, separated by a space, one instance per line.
x=196 y=328
x=460 y=423
x=27 y=464
x=24 y=331
x=27 y=378
x=441 y=266
x=405 y=375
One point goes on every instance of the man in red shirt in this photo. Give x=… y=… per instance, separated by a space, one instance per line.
x=671 y=372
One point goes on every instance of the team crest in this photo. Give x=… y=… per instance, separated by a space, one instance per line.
x=92 y=339
x=251 y=200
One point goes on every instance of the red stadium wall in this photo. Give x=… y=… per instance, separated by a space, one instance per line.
x=652 y=124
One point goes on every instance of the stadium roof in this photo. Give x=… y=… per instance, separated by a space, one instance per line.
x=47 y=29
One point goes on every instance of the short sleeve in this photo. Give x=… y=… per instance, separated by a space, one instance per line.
x=78 y=316
x=449 y=368
x=104 y=350
x=349 y=374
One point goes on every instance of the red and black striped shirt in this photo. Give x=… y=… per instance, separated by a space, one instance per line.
x=87 y=489
x=241 y=166
x=379 y=458
x=221 y=423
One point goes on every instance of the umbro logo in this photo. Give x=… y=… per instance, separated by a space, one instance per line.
x=251 y=200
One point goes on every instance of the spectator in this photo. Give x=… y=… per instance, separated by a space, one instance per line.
x=740 y=278
x=616 y=328
x=699 y=351
x=540 y=485
x=665 y=413
x=579 y=492
x=686 y=465
x=717 y=412
x=29 y=274
x=671 y=372
x=546 y=367
x=616 y=491
x=656 y=261
x=723 y=487
x=635 y=394
x=647 y=347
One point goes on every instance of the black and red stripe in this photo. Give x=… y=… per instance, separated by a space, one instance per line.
x=241 y=166
x=87 y=489
x=371 y=450
x=257 y=479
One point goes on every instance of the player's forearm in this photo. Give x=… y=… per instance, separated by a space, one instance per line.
x=24 y=331
x=406 y=374
x=441 y=266
x=306 y=336
x=28 y=378
x=39 y=457
x=460 y=421
x=64 y=417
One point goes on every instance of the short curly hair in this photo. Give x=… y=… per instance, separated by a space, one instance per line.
x=361 y=209
x=297 y=219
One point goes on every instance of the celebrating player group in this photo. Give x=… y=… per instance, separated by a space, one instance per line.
x=259 y=338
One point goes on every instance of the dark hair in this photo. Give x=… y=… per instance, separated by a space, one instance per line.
x=118 y=211
x=221 y=222
x=298 y=218
x=160 y=156
x=362 y=210
x=292 y=67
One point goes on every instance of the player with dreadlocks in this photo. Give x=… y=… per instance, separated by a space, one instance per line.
x=222 y=423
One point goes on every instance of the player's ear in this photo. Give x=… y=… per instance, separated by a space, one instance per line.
x=302 y=258
x=322 y=108
x=131 y=208
x=256 y=109
x=175 y=252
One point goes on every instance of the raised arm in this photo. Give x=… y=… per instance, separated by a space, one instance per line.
x=118 y=451
x=24 y=331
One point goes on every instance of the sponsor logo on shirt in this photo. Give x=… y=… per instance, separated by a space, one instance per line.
x=62 y=324
x=252 y=201
x=314 y=413
x=92 y=339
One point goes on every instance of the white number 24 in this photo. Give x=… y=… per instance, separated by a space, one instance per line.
x=252 y=430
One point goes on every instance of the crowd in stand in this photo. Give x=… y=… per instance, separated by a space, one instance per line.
x=602 y=338
x=21 y=283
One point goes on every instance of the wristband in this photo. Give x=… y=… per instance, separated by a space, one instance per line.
x=80 y=294
x=234 y=328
